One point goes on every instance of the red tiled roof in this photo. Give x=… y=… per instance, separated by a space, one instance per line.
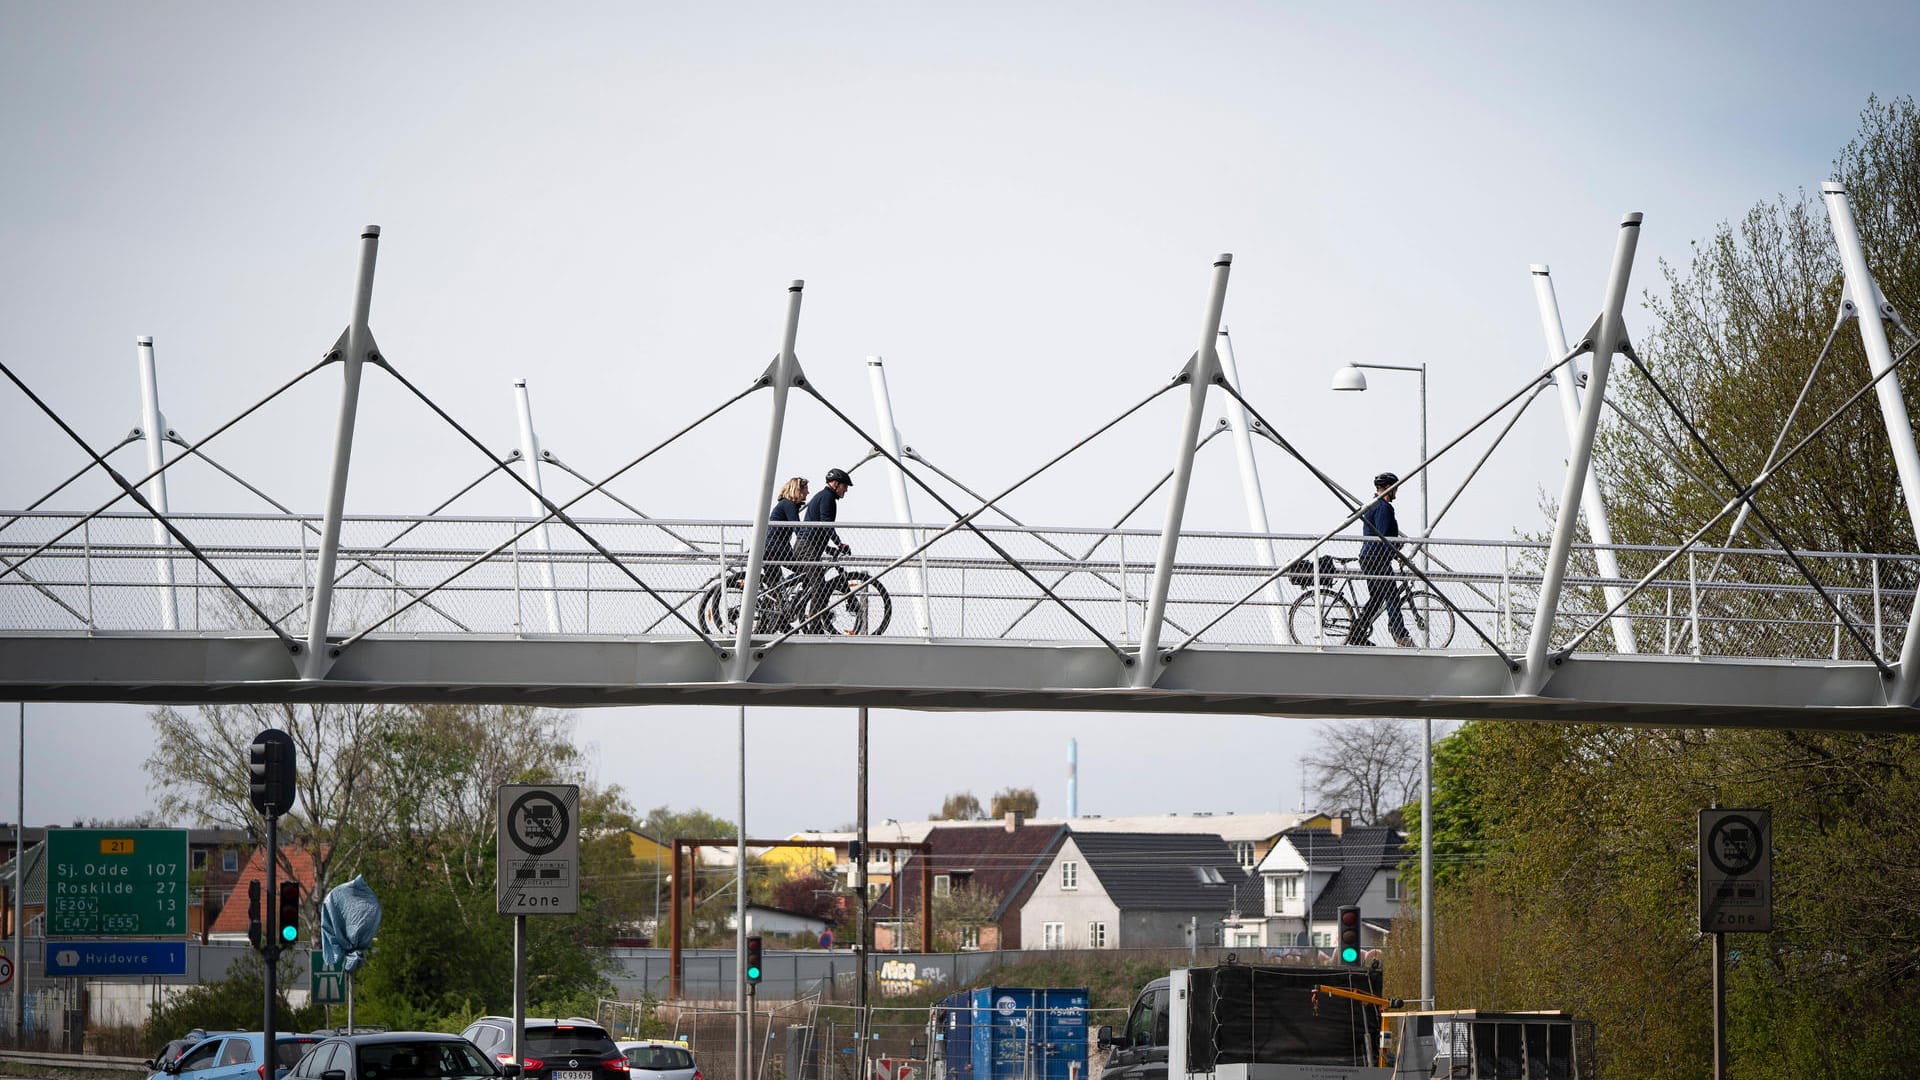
x=233 y=917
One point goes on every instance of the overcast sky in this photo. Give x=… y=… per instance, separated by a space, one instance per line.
x=1016 y=204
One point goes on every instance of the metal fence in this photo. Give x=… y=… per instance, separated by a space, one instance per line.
x=679 y=579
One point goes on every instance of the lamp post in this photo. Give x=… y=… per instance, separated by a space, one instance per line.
x=1352 y=377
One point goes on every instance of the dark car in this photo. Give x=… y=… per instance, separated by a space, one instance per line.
x=571 y=1049
x=396 y=1055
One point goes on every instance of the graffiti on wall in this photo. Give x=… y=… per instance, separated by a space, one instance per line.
x=899 y=978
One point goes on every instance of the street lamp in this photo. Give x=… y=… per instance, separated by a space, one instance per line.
x=1351 y=377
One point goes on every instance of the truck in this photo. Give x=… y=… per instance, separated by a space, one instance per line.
x=1252 y=1022
x=1260 y=1022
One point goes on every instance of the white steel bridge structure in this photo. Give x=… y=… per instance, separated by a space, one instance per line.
x=136 y=601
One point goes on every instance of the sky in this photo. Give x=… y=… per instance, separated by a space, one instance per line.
x=1016 y=205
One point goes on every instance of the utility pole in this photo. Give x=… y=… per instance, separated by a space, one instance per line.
x=860 y=887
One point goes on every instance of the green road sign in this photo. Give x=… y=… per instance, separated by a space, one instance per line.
x=328 y=985
x=116 y=882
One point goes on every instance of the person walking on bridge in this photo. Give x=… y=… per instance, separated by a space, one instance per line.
x=822 y=509
x=779 y=545
x=1381 y=528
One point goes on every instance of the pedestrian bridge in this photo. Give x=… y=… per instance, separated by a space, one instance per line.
x=470 y=609
x=134 y=600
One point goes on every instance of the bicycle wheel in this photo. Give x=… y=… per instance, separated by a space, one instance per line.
x=857 y=610
x=721 y=608
x=1320 y=617
x=1429 y=622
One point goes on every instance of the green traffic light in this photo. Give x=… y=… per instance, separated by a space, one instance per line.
x=289 y=934
x=1349 y=955
x=753 y=973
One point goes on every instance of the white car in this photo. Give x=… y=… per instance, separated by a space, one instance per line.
x=657 y=1059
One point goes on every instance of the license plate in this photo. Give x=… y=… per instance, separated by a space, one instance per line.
x=573 y=1074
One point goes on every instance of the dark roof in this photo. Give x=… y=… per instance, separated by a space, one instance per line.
x=1165 y=871
x=994 y=859
x=1356 y=857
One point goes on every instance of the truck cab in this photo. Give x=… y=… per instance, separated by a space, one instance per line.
x=1140 y=1050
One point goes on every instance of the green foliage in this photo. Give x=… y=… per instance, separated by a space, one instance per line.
x=959 y=806
x=1010 y=799
x=231 y=1004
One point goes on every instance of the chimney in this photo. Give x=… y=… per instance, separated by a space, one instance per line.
x=1015 y=819
x=1338 y=826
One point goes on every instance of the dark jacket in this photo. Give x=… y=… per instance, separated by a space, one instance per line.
x=824 y=506
x=1378 y=522
x=780 y=538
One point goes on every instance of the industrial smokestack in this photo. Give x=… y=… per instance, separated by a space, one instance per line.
x=1073 y=778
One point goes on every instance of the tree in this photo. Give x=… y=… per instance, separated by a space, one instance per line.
x=959 y=806
x=813 y=893
x=1010 y=800
x=664 y=824
x=964 y=907
x=1369 y=768
x=1576 y=885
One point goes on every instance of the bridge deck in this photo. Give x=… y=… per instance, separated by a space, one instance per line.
x=475 y=609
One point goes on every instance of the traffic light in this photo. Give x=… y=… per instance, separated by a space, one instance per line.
x=270 y=768
x=753 y=958
x=289 y=912
x=253 y=913
x=1346 y=935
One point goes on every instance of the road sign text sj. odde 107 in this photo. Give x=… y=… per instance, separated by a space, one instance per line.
x=539 y=849
x=105 y=882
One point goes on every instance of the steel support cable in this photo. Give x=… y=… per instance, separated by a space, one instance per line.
x=965 y=521
x=309 y=526
x=1740 y=519
x=1495 y=445
x=1746 y=494
x=553 y=511
x=140 y=500
x=515 y=538
x=1663 y=442
x=617 y=500
x=1354 y=513
x=331 y=356
x=992 y=504
x=1099 y=575
x=38 y=586
x=62 y=485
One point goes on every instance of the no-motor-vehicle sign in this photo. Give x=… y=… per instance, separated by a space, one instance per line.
x=1736 y=872
x=539 y=849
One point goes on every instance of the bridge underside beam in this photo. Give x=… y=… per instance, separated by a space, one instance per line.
x=186 y=668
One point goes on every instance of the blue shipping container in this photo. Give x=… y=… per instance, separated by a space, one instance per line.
x=1015 y=1033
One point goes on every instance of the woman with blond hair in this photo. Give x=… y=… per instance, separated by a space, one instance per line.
x=779 y=546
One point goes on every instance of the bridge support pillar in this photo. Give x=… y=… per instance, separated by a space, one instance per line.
x=359 y=347
x=154 y=427
x=1201 y=373
x=1592 y=502
x=783 y=374
x=1871 y=309
x=1250 y=493
x=1608 y=336
x=530 y=455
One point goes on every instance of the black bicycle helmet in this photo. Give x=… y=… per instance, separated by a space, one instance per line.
x=840 y=475
x=1384 y=480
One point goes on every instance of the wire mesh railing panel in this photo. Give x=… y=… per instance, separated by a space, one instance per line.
x=675 y=579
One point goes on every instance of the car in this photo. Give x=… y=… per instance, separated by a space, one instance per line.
x=575 y=1048
x=173 y=1049
x=235 y=1055
x=657 y=1059
x=395 y=1055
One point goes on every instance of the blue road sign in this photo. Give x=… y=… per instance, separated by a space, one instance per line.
x=86 y=958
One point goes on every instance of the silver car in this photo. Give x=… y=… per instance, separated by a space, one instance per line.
x=653 y=1059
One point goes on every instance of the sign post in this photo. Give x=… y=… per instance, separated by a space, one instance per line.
x=1736 y=896
x=539 y=871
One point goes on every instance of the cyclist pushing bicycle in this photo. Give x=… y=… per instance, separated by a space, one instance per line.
x=814 y=541
x=1382 y=529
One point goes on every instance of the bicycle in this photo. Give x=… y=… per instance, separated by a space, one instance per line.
x=1323 y=613
x=865 y=612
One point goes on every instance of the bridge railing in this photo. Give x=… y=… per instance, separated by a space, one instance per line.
x=470 y=575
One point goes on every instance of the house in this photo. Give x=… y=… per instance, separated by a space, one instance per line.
x=1104 y=890
x=772 y=921
x=231 y=923
x=1313 y=872
x=1003 y=862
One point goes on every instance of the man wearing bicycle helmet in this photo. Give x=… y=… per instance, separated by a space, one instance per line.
x=814 y=542
x=1380 y=526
